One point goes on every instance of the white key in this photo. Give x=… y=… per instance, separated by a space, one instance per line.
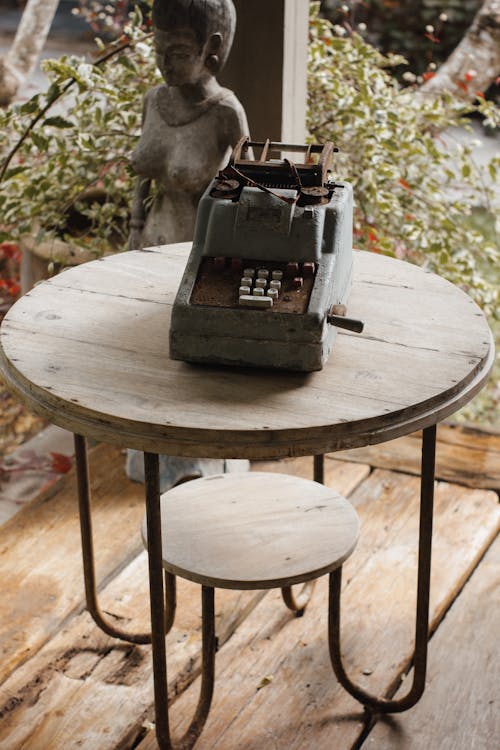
x=274 y=284
x=248 y=300
x=262 y=273
x=244 y=290
x=273 y=293
x=277 y=275
x=246 y=281
x=262 y=283
x=258 y=291
x=250 y=272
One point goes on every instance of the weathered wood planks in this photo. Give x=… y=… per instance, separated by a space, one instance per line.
x=459 y=709
x=40 y=557
x=463 y=455
x=299 y=703
x=82 y=689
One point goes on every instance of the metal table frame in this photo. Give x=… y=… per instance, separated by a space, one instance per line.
x=163 y=598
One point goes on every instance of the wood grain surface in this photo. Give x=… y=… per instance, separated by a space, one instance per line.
x=459 y=710
x=89 y=351
x=77 y=689
x=463 y=456
x=41 y=560
x=275 y=688
x=64 y=685
x=255 y=530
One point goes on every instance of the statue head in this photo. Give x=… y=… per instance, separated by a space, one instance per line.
x=192 y=38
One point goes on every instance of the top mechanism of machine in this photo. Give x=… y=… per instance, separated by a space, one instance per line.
x=269 y=273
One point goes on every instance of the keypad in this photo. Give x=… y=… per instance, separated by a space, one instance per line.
x=259 y=287
x=281 y=286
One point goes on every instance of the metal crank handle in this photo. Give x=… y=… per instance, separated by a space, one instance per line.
x=351 y=324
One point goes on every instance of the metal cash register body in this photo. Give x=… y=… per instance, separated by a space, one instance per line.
x=270 y=269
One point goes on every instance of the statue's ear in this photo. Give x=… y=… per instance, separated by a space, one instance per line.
x=214 y=43
x=212 y=61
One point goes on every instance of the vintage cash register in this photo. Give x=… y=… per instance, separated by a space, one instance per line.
x=268 y=277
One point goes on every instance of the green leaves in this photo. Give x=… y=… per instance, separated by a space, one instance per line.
x=405 y=173
x=419 y=194
x=58 y=122
x=40 y=141
x=69 y=175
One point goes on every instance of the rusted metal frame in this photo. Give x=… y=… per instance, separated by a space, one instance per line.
x=209 y=647
x=89 y=574
x=158 y=631
x=298 y=602
x=170 y=600
x=265 y=150
x=319 y=468
x=389 y=705
x=245 y=143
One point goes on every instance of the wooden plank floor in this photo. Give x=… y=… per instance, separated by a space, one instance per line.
x=463 y=689
x=64 y=685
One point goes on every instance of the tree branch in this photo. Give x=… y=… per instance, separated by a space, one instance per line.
x=120 y=46
x=26 y=48
x=475 y=63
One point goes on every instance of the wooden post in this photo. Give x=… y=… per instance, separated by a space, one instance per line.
x=267 y=68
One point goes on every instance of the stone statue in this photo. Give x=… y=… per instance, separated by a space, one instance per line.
x=190 y=123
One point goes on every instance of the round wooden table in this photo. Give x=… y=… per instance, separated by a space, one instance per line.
x=88 y=350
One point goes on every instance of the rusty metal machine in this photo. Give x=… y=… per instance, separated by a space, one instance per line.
x=269 y=273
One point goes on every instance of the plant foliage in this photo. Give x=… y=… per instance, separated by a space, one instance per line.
x=65 y=152
x=414 y=188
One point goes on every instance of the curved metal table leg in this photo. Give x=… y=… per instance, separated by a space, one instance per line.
x=319 y=468
x=155 y=556
x=387 y=705
x=298 y=602
x=82 y=475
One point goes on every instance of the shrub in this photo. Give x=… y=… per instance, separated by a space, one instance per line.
x=415 y=190
x=66 y=151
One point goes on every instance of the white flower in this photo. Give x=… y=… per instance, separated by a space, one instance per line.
x=339 y=30
x=84 y=71
x=362 y=26
x=429 y=29
x=443 y=17
x=410 y=77
x=143 y=49
x=344 y=8
x=432 y=66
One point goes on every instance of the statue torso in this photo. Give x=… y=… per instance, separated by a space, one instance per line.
x=182 y=159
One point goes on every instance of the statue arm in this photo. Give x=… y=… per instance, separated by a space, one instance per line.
x=141 y=191
x=138 y=212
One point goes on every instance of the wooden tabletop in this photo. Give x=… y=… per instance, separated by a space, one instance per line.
x=88 y=350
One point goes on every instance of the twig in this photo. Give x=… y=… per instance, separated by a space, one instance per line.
x=44 y=110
